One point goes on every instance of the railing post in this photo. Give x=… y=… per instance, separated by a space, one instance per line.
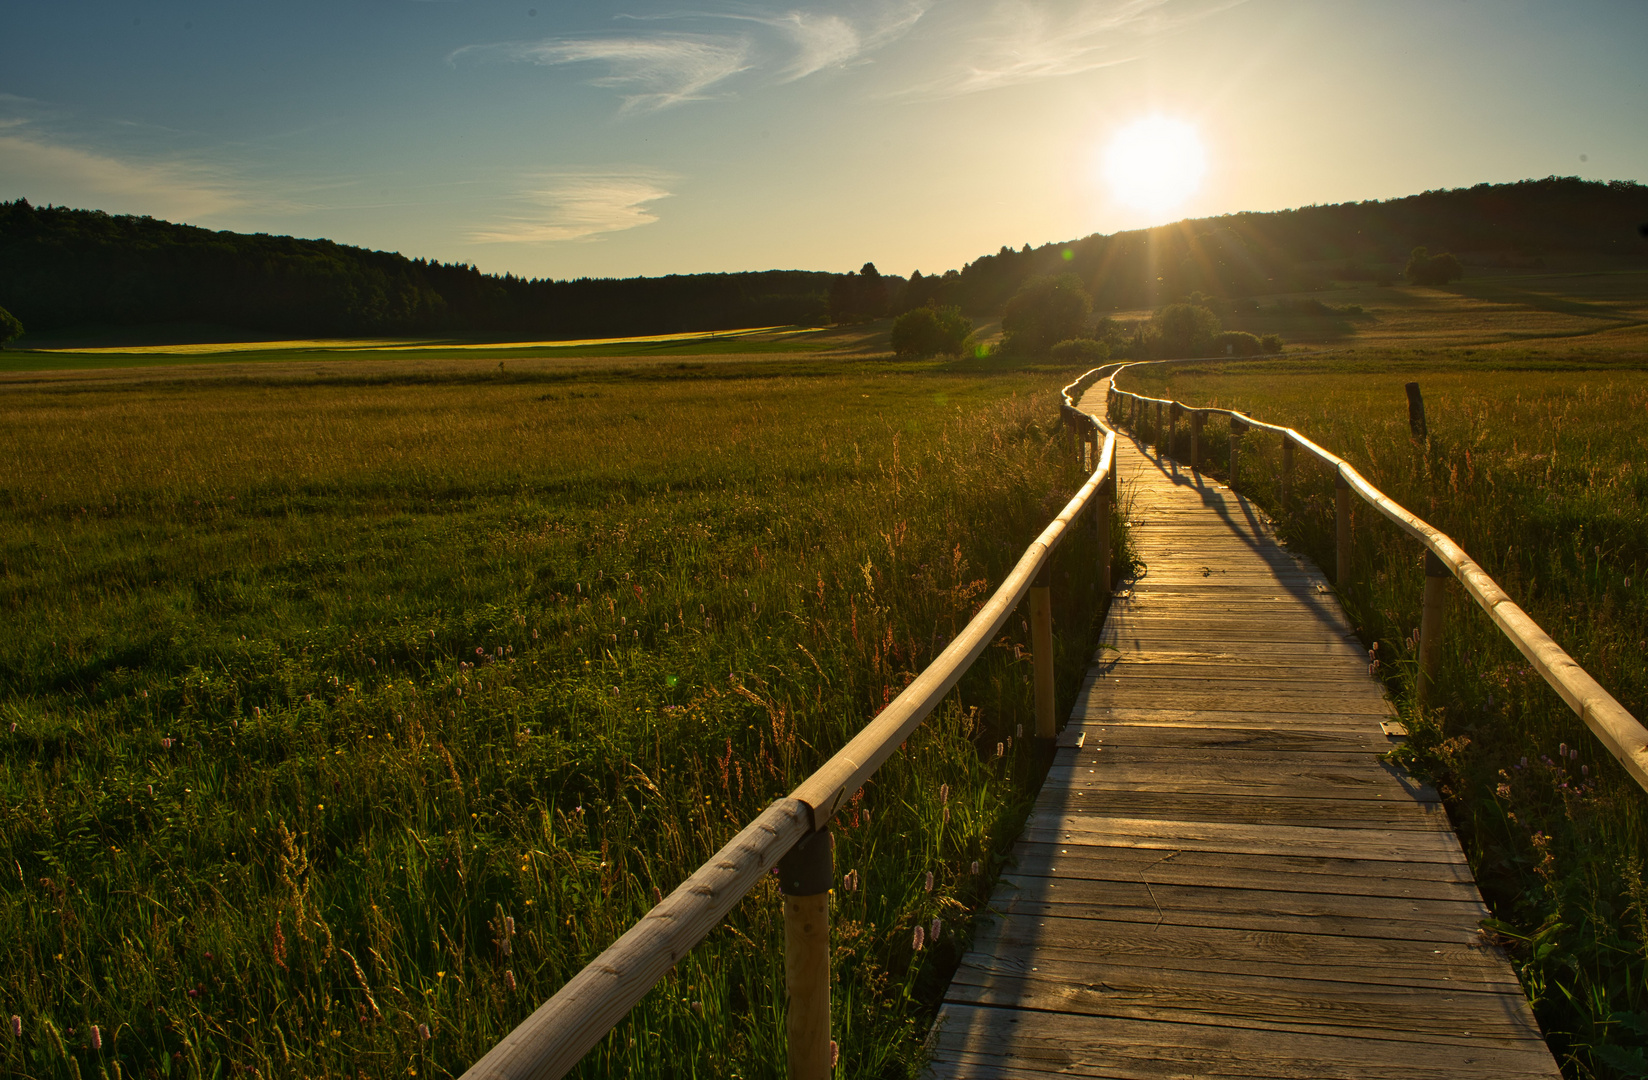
x=1430 y=625
x=1041 y=648
x=1101 y=524
x=1287 y=470
x=1237 y=428
x=1173 y=411
x=1341 y=513
x=1158 y=431
x=1196 y=420
x=805 y=876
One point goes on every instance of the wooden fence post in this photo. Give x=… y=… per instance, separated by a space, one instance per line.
x=1287 y=470
x=1341 y=513
x=1196 y=420
x=1416 y=412
x=1236 y=430
x=1102 y=500
x=1041 y=648
x=1173 y=412
x=1430 y=625
x=1158 y=431
x=805 y=876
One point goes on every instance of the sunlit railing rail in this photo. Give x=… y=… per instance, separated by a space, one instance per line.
x=1618 y=730
x=793 y=833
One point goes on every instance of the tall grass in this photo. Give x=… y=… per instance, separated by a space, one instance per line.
x=1540 y=476
x=340 y=724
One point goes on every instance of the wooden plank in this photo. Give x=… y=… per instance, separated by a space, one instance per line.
x=1070 y=1045
x=1119 y=831
x=1319 y=1005
x=1352 y=877
x=1256 y=809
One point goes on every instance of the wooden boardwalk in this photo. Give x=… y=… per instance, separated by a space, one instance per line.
x=1222 y=878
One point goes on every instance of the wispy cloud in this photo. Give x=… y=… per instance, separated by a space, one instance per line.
x=580 y=206
x=821 y=42
x=1028 y=40
x=50 y=171
x=657 y=71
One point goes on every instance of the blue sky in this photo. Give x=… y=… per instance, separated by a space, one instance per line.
x=613 y=138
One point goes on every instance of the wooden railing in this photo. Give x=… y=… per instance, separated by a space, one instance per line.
x=793 y=833
x=1618 y=730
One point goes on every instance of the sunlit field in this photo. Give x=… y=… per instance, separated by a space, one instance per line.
x=344 y=717
x=1541 y=476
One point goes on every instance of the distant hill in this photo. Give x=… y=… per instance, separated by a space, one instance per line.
x=1556 y=222
x=64 y=269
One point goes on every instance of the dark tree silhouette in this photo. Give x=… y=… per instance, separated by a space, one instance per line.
x=929 y=331
x=1045 y=311
x=10 y=328
x=1426 y=269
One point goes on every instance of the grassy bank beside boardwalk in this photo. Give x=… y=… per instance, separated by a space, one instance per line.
x=1537 y=464
x=342 y=719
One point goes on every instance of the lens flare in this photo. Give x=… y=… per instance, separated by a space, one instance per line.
x=1155 y=163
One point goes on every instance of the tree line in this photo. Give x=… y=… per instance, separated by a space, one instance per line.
x=63 y=268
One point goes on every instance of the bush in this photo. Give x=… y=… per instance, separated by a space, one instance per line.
x=1081 y=351
x=1236 y=343
x=1044 y=311
x=1184 y=330
x=928 y=331
x=10 y=328
x=1271 y=344
x=1426 y=269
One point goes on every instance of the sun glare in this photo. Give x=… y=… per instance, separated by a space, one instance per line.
x=1155 y=163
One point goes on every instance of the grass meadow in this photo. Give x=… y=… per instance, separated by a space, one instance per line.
x=1538 y=466
x=345 y=713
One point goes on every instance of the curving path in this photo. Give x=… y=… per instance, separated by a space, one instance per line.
x=1220 y=876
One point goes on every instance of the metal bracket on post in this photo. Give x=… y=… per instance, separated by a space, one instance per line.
x=1041 y=648
x=1341 y=514
x=1430 y=625
x=805 y=875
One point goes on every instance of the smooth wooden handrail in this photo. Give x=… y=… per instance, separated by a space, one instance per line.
x=1618 y=730
x=563 y=1029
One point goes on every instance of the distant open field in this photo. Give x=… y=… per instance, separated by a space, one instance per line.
x=1539 y=472
x=343 y=719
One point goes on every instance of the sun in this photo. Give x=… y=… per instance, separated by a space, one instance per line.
x=1155 y=163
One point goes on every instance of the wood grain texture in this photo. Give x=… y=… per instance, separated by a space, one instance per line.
x=1222 y=876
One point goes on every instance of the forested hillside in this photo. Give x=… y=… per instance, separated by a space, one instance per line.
x=1528 y=224
x=62 y=268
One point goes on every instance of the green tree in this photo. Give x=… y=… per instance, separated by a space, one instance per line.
x=1184 y=330
x=1046 y=310
x=10 y=328
x=1426 y=269
x=928 y=331
x=1081 y=351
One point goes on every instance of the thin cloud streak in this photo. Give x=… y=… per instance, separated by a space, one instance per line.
x=1027 y=41
x=822 y=42
x=171 y=189
x=580 y=207
x=661 y=71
